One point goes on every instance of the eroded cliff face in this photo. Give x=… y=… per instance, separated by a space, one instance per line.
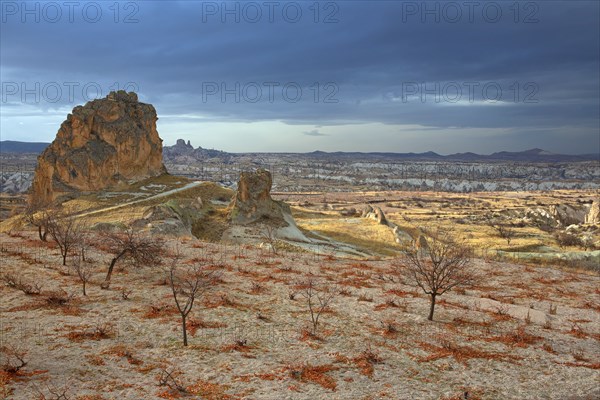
x=101 y=144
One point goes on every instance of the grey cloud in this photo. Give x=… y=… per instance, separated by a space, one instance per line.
x=171 y=55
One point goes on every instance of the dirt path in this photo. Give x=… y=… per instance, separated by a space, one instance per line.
x=156 y=196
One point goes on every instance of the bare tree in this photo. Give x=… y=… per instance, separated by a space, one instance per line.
x=318 y=296
x=505 y=231
x=131 y=246
x=84 y=271
x=187 y=284
x=438 y=267
x=66 y=231
x=37 y=215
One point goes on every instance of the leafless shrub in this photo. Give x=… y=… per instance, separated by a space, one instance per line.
x=59 y=298
x=261 y=316
x=256 y=288
x=564 y=239
x=13 y=359
x=125 y=293
x=170 y=378
x=66 y=231
x=318 y=297
x=365 y=297
x=53 y=392
x=84 y=271
x=579 y=356
x=389 y=327
x=16 y=282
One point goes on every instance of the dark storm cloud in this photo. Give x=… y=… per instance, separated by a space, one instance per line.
x=389 y=62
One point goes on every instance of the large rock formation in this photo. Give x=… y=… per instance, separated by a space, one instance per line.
x=101 y=144
x=253 y=202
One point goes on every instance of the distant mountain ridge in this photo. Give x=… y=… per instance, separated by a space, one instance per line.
x=181 y=148
x=11 y=146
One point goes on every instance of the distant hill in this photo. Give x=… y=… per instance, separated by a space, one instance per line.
x=533 y=155
x=187 y=150
x=10 y=146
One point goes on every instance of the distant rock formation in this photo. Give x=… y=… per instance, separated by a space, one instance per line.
x=181 y=148
x=101 y=144
x=593 y=216
x=253 y=202
x=183 y=152
x=375 y=213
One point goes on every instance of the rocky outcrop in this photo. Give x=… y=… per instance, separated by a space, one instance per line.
x=253 y=202
x=593 y=216
x=375 y=213
x=173 y=218
x=101 y=144
x=568 y=215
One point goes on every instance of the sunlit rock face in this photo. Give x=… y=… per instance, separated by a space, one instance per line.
x=101 y=144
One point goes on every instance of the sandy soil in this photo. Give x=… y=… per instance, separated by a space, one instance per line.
x=524 y=332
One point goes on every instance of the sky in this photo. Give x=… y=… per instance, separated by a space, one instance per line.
x=280 y=76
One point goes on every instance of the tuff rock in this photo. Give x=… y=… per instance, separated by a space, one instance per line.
x=100 y=145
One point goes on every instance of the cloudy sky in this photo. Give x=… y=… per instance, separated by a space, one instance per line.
x=301 y=76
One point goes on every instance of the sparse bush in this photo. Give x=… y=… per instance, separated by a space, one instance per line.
x=13 y=359
x=564 y=239
x=579 y=356
x=365 y=297
x=170 y=378
x=59 y=298
x=16 y=282
x=125 y=293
